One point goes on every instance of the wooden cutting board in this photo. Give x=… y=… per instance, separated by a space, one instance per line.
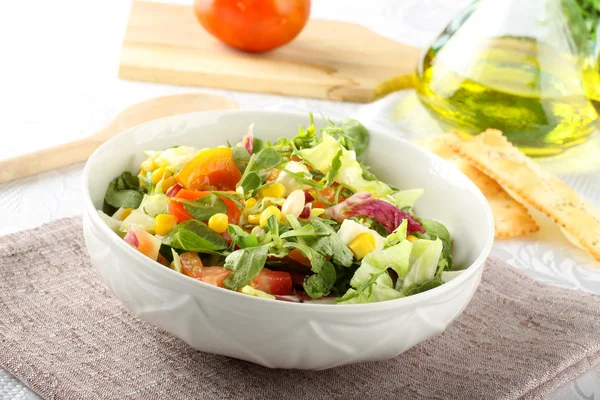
x=329 y=59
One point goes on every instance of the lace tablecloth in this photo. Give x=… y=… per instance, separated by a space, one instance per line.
x=59 y=83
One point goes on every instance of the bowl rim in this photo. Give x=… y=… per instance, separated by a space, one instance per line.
x=158 y=268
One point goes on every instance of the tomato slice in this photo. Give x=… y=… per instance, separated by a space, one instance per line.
x=273 y=282
x=210 y=169
x=178 y=210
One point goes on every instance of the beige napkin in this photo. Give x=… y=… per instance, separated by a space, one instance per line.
x=65 y=336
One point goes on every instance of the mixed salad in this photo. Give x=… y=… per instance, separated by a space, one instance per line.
x=300 y=220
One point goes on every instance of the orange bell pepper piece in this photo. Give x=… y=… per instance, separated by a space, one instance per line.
x=210 y=169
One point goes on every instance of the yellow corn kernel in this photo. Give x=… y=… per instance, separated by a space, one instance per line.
x=254 y=219
x=362 y=245
x=251 y=202
x=148 y=165
x=411 y=238
x=126 y=213
x=160 y=174
x=275 y=190
x=271 y=210
x=218 y=222
x=164 y=223
x=167 y=183
x=315 y=212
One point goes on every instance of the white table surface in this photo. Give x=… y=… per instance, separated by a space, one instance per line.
x=58 y=82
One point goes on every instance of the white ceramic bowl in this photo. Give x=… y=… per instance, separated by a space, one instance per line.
x=275 y=333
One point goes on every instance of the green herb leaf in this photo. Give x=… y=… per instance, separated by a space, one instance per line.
x=124 y=191
x=319 y=284
x=257 y=145
x=245 y=265
x=329 y=244
x=305 y=181
x=240 y=157
x=250 y=182
x=267 y=158
x=305 y=231
x=435 y=282
x=204 y=207
x=336 y=164
x=236 y=198
x=194 y=235
x=357 y=133
x=242 y=238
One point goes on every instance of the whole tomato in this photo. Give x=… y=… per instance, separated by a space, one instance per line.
x=253 y=25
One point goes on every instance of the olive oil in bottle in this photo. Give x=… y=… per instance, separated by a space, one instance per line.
x=534 y=92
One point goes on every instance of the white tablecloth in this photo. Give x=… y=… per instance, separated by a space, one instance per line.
x=58 y=82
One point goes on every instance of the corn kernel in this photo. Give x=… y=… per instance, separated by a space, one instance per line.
x=254 y=219
x=271 y=210
x=160 y=174
x=126 y=213
x=164 y=223
x=411 y=238
x=315 y=212
x=362 y=245
x=148 y=165
x=275 y=190
x=167 y=183
x=251 y=202
x=218 y=222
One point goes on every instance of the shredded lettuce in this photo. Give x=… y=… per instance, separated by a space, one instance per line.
x=173 y=158
x=424 y=259
x=138 y=219
x=249 y=290
x=406 y=198
x=154 y=204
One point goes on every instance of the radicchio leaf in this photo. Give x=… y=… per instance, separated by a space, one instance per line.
x=248 y=140
x=363 y=205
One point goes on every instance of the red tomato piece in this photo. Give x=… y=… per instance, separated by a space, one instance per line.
x=253 y=25
x=273 y=282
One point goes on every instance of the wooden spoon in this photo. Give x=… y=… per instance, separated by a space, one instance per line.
x=80 y=150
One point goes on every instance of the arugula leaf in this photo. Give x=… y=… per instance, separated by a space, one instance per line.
x=330 y=245
x=435 y=282
x=245 y=265
x=240 y=157
x=306 y=230
x=357 y=133
x=319 y=284
x=194 y=235
x=204 y=207
x=301 y=179
x=236 y=198
x=242 y=238
x=124 y=191
x=336 y=164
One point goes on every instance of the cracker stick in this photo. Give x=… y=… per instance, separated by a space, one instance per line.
x=492 y=154
x=510 y=218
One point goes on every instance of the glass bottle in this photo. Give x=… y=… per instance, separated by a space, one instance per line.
x=525 y=67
